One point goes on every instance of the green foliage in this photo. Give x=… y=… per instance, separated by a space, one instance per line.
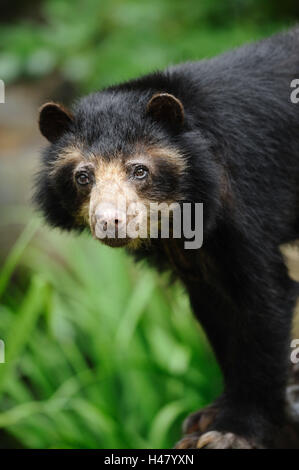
x=94 y=43
x=99 y=352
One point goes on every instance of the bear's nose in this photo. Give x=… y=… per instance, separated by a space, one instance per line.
x=109 y=223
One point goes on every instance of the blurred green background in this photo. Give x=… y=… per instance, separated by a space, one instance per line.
x=100 y=353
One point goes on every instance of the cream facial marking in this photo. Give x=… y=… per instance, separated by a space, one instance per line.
x=149 y=154
x=112 y=187
x=171 y=155
x=69 y=155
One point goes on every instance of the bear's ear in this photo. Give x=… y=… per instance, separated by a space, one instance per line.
x=54 y=120
x=166 y=108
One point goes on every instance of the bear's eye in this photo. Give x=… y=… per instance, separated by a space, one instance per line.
x=82 y=178
x=140 y=172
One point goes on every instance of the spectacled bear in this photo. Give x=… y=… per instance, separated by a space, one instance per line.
x=223 y=132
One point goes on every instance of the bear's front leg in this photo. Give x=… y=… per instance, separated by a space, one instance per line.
x=250 y=335
x=215 y=440
x=201 y=420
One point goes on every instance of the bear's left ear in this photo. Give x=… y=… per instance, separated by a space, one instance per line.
x=54 y=120
x=166 y=108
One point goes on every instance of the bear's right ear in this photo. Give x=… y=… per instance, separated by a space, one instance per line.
x=164 y=107
x=54 y=120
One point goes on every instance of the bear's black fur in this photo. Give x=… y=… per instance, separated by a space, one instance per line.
x=240 y=137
